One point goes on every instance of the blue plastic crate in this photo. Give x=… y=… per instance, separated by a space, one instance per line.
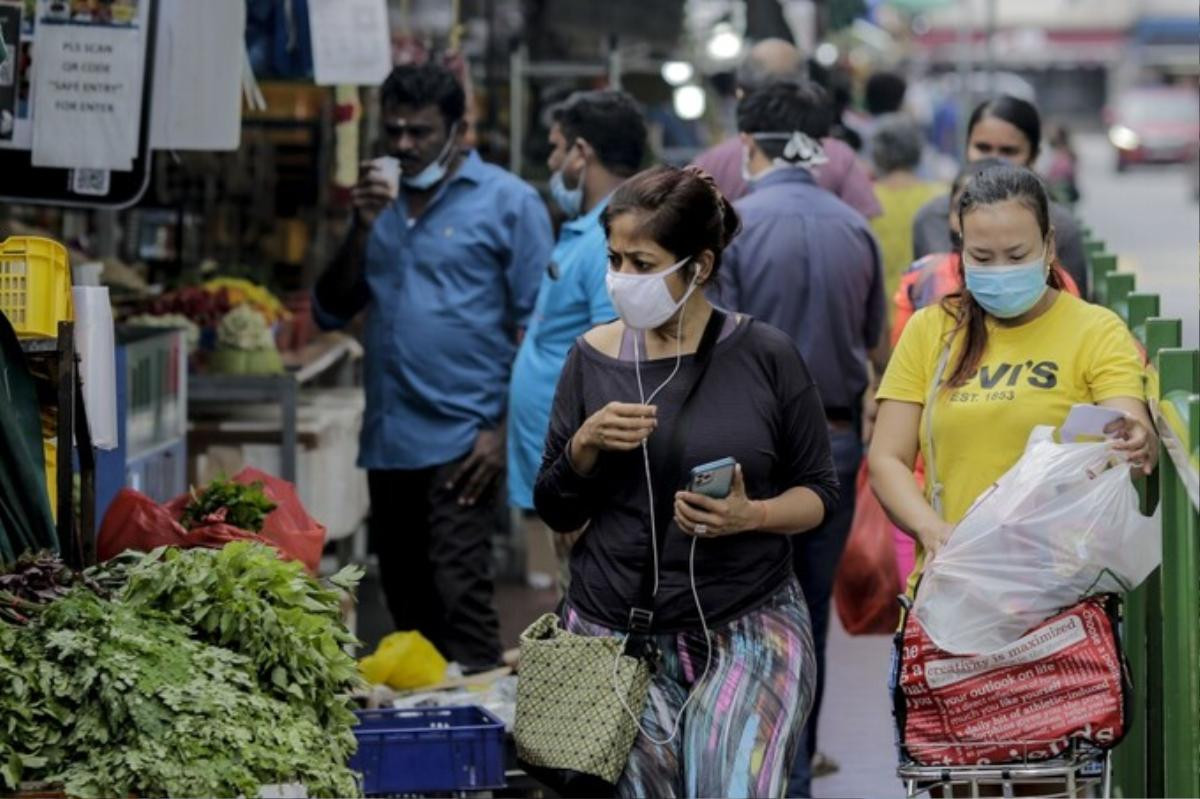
x=432 y=749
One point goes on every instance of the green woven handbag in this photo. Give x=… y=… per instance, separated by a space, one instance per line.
x=568 y=715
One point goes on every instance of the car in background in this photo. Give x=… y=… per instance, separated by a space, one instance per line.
x=1154 y=125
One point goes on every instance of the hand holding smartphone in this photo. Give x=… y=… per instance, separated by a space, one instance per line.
x=714 y=479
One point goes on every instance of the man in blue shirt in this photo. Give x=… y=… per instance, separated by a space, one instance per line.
x=808 y=264
x=598 y=140
x=446 y=267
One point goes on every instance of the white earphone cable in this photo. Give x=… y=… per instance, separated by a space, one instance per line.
x=654 y=550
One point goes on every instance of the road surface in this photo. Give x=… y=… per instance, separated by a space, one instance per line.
x=1148 y=217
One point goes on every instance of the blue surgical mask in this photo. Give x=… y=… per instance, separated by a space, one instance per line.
x=569 y=200
x=433 y=174
x=1007 y=291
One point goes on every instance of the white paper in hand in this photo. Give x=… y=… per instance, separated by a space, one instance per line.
x=1088 y=421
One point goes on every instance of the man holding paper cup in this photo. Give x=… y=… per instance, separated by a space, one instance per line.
x=445 y=254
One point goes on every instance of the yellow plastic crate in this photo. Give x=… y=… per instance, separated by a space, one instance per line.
x=35 y=285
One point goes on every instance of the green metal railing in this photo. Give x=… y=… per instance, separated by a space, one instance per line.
x=1161 y=754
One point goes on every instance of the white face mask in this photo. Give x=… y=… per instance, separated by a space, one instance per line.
x=643 y=301
x=433 y=174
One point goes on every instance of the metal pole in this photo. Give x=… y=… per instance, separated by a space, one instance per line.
x=964 y=76
x=287 y=403
x=991 y=47
x=489 y=67
x=614 y=63
x=516 y=108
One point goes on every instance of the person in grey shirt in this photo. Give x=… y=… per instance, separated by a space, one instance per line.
x=1011 y=129
x=808 y=264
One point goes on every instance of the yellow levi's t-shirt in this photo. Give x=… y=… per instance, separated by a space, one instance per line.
x=1029 y=375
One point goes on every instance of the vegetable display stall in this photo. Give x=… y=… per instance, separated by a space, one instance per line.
x=181 y=672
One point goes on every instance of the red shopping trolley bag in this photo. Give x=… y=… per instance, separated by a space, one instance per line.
x=1065 y=682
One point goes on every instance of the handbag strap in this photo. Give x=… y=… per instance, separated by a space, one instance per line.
x=935 y=486
x=641 y=615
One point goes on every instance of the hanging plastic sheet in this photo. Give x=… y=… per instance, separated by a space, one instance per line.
x=25 y=520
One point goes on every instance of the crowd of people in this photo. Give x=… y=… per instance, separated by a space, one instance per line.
x=784 y=302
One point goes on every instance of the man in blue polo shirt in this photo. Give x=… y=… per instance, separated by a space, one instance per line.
x=446 y=267
x=599 y=139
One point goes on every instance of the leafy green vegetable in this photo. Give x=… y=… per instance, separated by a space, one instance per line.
x=245 y=598
x=243 y=506
x=34 y=580
x=121 y=702
x=208 y=673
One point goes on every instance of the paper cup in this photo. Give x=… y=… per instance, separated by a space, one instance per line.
x=389 y=170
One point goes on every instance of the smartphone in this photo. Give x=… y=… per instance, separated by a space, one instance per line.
x=713 y=479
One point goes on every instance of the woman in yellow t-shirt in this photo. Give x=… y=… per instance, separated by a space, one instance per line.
x=1021 y=353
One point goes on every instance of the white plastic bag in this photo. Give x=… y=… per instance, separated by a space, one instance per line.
x=95 y=341
x=1061 y=524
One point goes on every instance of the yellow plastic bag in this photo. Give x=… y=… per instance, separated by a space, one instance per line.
x=404 y=661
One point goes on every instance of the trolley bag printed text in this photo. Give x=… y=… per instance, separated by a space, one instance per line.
x=1063 y=682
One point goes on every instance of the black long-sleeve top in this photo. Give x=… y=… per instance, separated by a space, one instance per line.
x=756 y=403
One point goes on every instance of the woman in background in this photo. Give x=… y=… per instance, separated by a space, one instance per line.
x=1010 y=129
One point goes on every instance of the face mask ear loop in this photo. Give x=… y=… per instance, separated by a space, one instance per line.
x=637 y=358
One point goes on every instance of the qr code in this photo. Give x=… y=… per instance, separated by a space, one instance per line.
x=92 y=182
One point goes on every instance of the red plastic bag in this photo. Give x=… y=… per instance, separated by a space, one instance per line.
x=1065 y=679
x=134 y=521
x=867 y=580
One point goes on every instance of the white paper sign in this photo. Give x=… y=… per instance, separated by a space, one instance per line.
x=351 y=42
x=88 y=84
x=197 y=102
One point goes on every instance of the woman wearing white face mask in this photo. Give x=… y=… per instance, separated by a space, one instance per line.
x=972 y=376
x=673 y=385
